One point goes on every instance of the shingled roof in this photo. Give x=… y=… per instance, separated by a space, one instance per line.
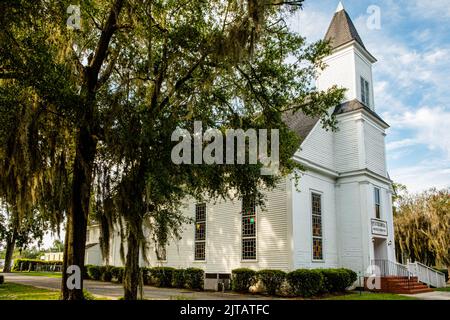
x=354 y=105
x=300 y=123
x=342 y=30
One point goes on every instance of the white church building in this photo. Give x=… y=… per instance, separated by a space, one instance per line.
x=339 y=215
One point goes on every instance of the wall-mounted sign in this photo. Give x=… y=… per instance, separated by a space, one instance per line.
x=379 y=228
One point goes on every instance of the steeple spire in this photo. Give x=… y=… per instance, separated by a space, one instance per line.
x=342 y=30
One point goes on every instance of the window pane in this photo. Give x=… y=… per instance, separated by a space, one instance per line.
x=200 y=231
x=317 y=249
x=248 y=226
x=249 y=249
x=200 y=251
x=200 y=212
x=317 y=226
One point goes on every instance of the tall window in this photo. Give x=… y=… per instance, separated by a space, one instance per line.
x=377 y=203
x=200 y=232
x=317 y=226
x=248 y=230
x=365 y=92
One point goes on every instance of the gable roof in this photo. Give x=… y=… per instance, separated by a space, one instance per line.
x=342 y=30
x=300 y=123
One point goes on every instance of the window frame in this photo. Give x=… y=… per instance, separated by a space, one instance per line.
x=313 y=237
x=377 y=205
x=365 y=91
x=253 y=237
x=196 y=229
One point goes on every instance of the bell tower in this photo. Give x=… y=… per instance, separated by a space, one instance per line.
x=350 y=64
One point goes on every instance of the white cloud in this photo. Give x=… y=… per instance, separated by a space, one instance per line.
x=434 y=9
x=423 y=176
x=430 y=127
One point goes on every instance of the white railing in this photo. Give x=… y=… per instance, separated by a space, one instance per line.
x=427 y=275
x=389 y=268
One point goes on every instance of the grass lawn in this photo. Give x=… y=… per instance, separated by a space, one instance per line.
x=41 y=274
x=370 y=296
x=12 y=291
x=447 y=289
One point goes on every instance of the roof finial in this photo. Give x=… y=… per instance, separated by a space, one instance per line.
x=340 y=7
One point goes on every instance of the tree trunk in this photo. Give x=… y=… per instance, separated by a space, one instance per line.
x=131 y=275
x=79 y=210
x=10 y=245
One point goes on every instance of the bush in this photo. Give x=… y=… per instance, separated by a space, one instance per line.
x=335 y=280
x=194 y=278
x=162 y=276
x=242 y=279
x=2 y=280
x=272 y=280
x=353 y=276
x=305 y=283
x=94 y=272
x=117 y=274
x=36 y=265
x=178 y=278
x=106 y=273
x=85 y=272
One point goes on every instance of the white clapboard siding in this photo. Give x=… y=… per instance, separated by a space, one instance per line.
x=375 y=149
x=302 y=221
x=223 y=242
x=318 y=147
x=347 y=150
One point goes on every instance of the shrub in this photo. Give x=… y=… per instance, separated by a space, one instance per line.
x=242 y=279
x=117 y=274
x=85 y=272
x=335 y=280
x=271 y=279
x=94 y=272
x=35 y=265
x=106 y=273
x=147 y=276
x=178 y=278
x=162 y=276
x=194 y=278
x=305 y=283
x=2 y=280
x=353 y=276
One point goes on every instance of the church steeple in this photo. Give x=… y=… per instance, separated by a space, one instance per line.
x=342 y=30
x=350 y=64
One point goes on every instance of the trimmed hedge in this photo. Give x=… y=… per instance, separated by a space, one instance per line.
x=242 y=279
x=272 y=280
x=194 y=278
x=305 y=283
x=117 y=274
x=106 y=274
x=161 y=276
x=178 y=278
x=94 y=272
x=2 y=280
x=36 y=265
x=335 y=280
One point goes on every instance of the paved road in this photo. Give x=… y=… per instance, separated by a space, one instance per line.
x=115 y=291
x=435 y=295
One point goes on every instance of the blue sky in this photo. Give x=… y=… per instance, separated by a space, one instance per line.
x=411 y=79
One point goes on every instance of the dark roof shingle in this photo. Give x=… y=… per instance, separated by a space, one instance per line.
x=342 y=30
